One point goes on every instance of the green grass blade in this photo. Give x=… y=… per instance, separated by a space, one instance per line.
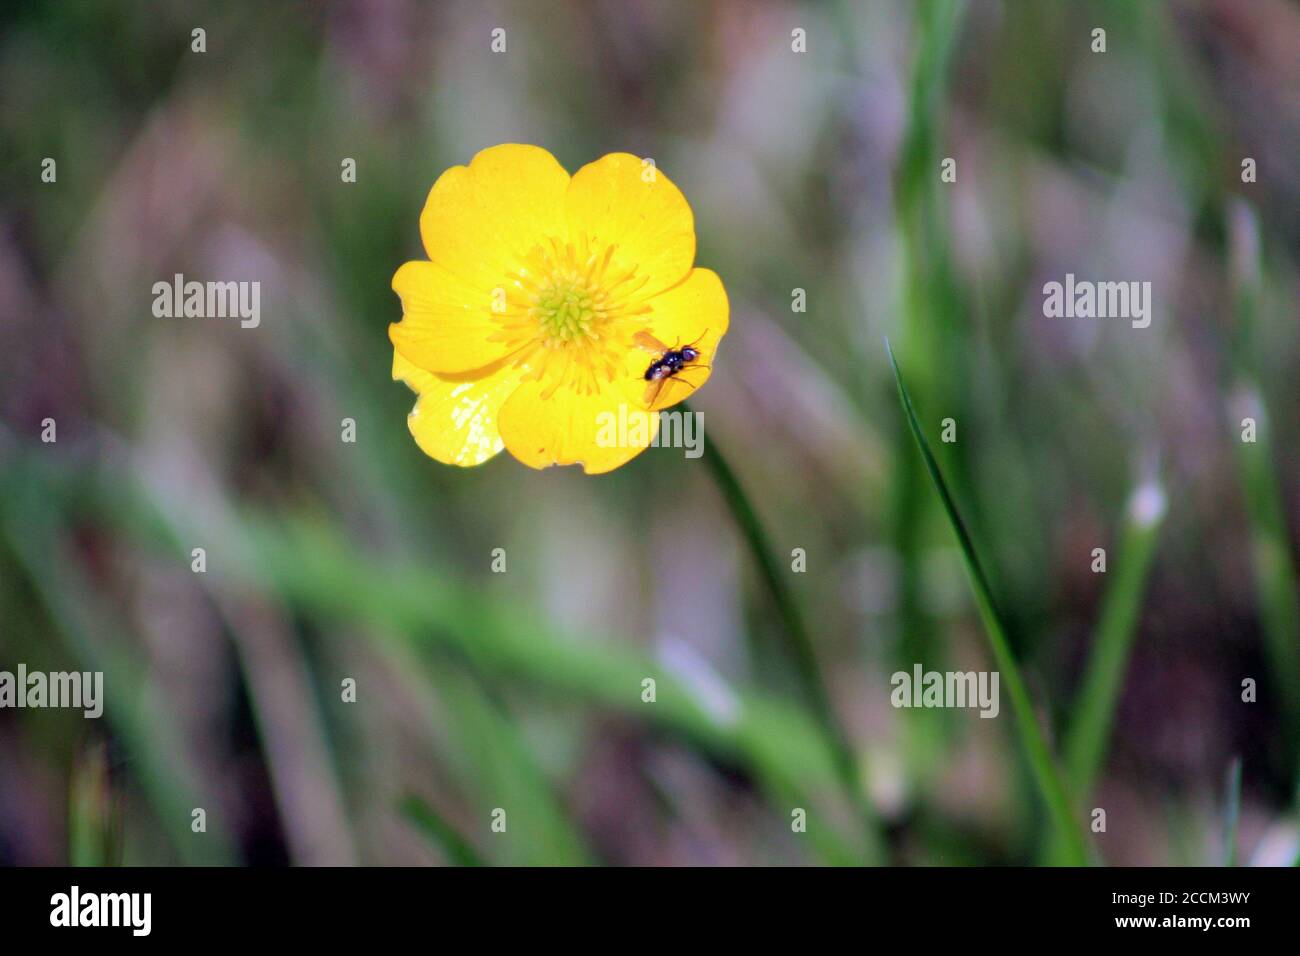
x=1274 y=569
x=94 y=821
x=441 y=834
x=929 y=323
x=1085 y=742
x=1031 y=737
x=1232 y=813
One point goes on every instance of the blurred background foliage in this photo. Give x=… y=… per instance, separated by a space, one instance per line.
x=816 y=171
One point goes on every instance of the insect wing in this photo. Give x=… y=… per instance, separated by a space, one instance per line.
x=653 y=388
x=644 y=340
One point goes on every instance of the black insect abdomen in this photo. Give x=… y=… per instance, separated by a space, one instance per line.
x=670 y=363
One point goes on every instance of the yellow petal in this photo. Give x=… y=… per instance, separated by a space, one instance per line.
x=600 y=431
x=695 y=312
x=620 y=201
x=481 y=220
x=455 y=421
x=448 y=325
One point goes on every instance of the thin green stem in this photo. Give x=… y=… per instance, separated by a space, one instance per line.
x=1232 y=813
x=1031 y=736
x=1274 y=570
x=1085 y=742
x=795 y=634
x=1088 y=735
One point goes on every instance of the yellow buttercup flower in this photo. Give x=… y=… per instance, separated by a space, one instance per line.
x=528 y=325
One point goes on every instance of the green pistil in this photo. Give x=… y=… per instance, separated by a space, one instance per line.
x=566 y=311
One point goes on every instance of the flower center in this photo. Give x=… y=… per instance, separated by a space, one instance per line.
x=569 y=308
x=570 y=311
